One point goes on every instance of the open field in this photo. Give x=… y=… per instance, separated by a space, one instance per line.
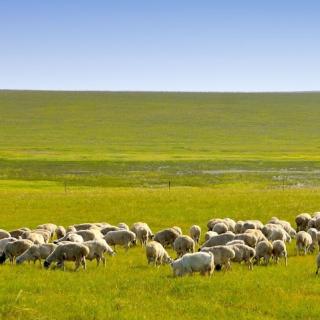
x=237 y=155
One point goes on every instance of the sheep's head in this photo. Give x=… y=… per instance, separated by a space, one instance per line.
x=46 y=264
x=2 y=258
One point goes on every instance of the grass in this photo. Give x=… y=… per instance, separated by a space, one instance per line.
x=237 y=155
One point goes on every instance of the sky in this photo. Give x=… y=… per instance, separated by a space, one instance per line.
x=164 y=45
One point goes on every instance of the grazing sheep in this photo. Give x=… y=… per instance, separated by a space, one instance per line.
x=303 y=242
x=209 y=234
x=302 y=221
x=318 y=264
x=264 y=250
x=60 y=232
x=71 y=229
x=251 y=224
x=142 y=232
x=219 y=240
x=230 y=243
x=70 y=237
x=156 y=253
x=238 y=227
x=123 y=238
x=18 y=232
x=248 y=238
x=220 y=228
x=314 y=235
x=36 y=252
x=3 y=243
x=166 y=237
x=4 y=234
x=86 y=226
x=243 y=253
x=222 y=256
x=107 y=229
x=178 y=229
x=14 y=249
x=48 y=226
x=279 y=234
x=279 y=250
x=257 y=233
x=195 y=233
x=183 y=245
x=227 y=221
x=35 y=237
x=68 y=252
x=97 y=249
x=45 y=234
x=285 y=225
x=123 y=225
x=190 y=263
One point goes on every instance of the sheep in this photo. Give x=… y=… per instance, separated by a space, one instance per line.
x=18 y=232
x=46 y=234
x=123 y=238
x=202 y=262
x=15 y=249
x=70 y=237
x=220 y=239
x=35 y=237
x=60 y=232
x=48 y=226
x=314 y=235
x=123 y=225
x=222 y=255
x=228 y=222
x=195 y=233
x=285 y=225
x=166 y=237
x=68 y=252
x=107 y=229
x=279 y=234
x=3 y=243
x=251 y=224
x=264 y=250
x=230 y=243
x=257 y=233
x=318 y=264
x=302 y=221
x=97 y=249
x=238 y=227
x=279 y=250
x=303 y=242
x=156 y=253
x=85 y=226
x=183 y=245
x=71 y=229
x=36 y=252
x=209 y=234
x=178 y=229
x=243 y=253
x=142 y=232
x=220 y=228
x=248 y=238
x=4 y=234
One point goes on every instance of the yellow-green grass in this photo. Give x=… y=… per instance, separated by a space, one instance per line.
x=130 y=289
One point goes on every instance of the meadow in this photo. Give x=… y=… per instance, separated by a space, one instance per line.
x=69 y=157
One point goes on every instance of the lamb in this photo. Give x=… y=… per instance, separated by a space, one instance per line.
x=243 y=253
x=279 y=250
x=220 y=228
x=156 y=253
x=202 y=262
x=209 y=234
x=264 y=250
x=166 y=237
x=302 y=221
x=123 y=225
x=70 y=237
x=68 y=252
x=222 y=255
x=248 y=238
x=314 y=235
x=4 y=234
x=220 y=239
x=195 y=233
x=183 y=245
x=3 y=243
x=142 y=232
x=303 y=242
x=97 y=249
x=123 y=238
x=60 y=232
x=15 y=249
x=36 y=252
x=18 y=232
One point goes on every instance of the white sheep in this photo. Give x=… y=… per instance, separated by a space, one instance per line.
x=183 y=244
x=280 y=250
x=195 y=233
x=36 y=252
x=97 y=249
x=264 y=250
x=303 y=242
x=156 y=253
x=14 y=249
x=222 y=256
x=122 y=237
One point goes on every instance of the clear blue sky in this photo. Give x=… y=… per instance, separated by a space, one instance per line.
x=165 y=45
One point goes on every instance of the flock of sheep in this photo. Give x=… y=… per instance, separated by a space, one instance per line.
x=226 y=241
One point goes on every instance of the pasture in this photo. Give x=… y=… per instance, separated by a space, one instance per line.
x=74 y=157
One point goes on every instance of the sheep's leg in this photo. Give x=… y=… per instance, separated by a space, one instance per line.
x=103 y=260
x=77 y=265
x=84 y=263
x=317 y=270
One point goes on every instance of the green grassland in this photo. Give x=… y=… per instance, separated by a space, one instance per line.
x=80 y=157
